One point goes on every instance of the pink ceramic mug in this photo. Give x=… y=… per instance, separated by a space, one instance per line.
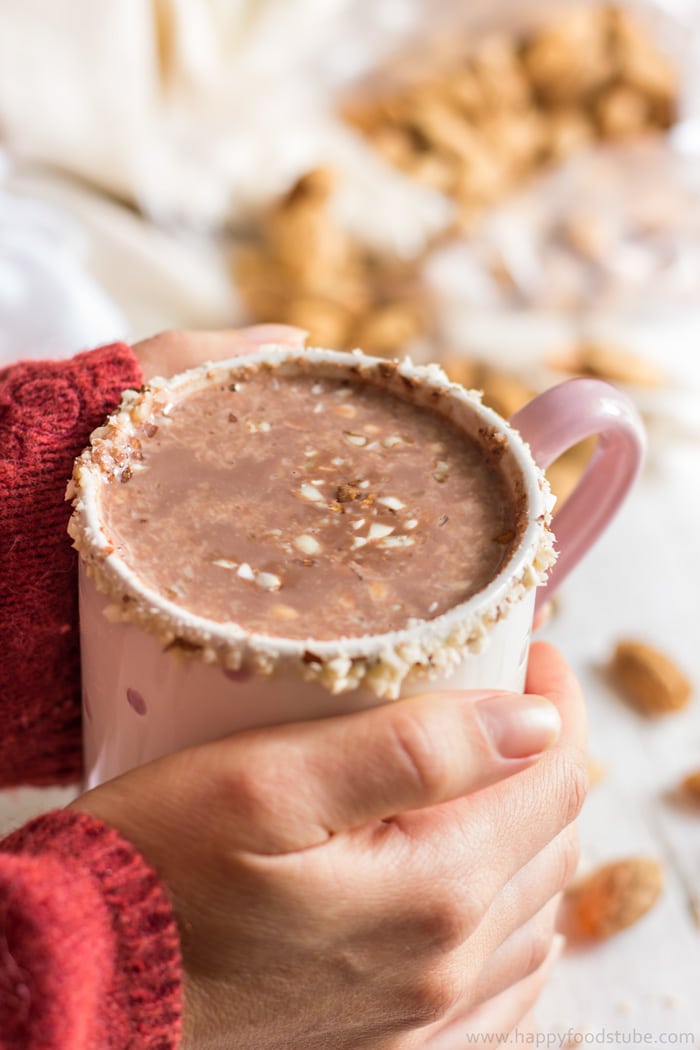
x=156 y=678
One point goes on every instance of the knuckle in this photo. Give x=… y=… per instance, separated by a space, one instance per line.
x=444 y=924
x=249 y=787
x=561 y=860
x=570 y=777
x=432 y=997
x=476 y=903
x=418 y=754
x=570 y=853
x=538 y=947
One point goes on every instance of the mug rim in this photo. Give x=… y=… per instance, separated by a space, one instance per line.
x=373 y=657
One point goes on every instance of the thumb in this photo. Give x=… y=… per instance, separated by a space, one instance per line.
x=294 y=786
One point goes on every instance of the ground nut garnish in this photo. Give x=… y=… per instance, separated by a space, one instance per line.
x=307 y=544
x=392 y=441
x=397 y=541
x=269 y=581
x=310 y=493
x=377 y=531
x=360 y=440
x=299 y=580
x=346 y=411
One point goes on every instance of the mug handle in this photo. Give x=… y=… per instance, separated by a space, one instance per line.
x=558 y=419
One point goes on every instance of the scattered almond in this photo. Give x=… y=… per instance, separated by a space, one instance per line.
x=613 y=897
x=388 y=327
x=515 y=102
x=596 y=772
x=649 y=679
x=474 y=129
x=690 y=786
x=611 y=363
x=566 y=472
x=503 y=392
x=306 y=270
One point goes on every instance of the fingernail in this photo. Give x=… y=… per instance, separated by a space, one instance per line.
x=519 y=726
x=285 y=334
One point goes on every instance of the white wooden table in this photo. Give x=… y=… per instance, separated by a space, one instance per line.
x=642 y=580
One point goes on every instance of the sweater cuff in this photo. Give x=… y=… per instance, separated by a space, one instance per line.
x=92 y=955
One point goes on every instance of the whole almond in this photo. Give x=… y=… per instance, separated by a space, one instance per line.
x=608 y=362
x=620 y=366
x=690 y=786
x=614 y=897
x=596 y=771
x=649 y=679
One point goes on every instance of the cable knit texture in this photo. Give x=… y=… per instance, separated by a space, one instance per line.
x=47 y=412
x=89 y=951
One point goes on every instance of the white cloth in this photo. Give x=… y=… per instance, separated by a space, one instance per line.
x=50 y=306
x=201 y=110
x=77 y=270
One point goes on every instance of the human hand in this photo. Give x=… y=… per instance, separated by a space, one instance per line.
x=522 y=963
x=169 y=353
x=368 y=880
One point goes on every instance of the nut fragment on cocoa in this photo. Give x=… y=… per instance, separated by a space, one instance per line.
x=310 y=493
x=649 y=679
x=346 y=493
x=355 y=439
x=307 y=544
x=613 y=897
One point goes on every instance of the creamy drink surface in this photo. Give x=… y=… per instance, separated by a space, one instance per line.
x=308 y=507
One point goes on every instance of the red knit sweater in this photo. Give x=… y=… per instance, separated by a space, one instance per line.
x=89 y=952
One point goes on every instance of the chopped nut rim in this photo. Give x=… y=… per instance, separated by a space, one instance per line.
x=380 y=662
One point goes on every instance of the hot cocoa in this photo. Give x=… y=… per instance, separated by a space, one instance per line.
x=309 y=507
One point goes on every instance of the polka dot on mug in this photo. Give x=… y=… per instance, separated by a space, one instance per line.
x=136 y=701
x=242 y=675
